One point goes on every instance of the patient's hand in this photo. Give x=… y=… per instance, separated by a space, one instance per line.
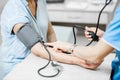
x=60 y=46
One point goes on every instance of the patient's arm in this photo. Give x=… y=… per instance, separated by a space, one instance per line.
x=91 y=55
x=39 y=50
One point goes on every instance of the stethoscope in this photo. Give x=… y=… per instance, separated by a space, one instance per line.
x=57 y=66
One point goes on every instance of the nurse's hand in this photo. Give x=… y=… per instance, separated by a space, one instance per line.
x=99 y=32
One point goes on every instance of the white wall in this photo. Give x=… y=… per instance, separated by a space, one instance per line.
x=2 y=3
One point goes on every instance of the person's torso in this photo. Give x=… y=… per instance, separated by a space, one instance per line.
x=13 y=51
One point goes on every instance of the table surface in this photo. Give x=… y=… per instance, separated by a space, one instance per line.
x=27 y=70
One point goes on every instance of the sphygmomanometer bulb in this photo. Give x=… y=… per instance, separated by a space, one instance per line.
x=93 y=36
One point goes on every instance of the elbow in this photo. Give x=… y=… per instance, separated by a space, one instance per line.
x=93 y=65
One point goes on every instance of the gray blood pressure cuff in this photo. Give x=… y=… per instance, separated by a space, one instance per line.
x=28 y=36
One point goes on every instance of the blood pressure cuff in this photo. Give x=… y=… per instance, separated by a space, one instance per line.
x=28 y=36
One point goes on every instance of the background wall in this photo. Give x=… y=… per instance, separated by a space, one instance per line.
x=2 y=3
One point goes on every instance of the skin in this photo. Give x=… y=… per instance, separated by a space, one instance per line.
x=94 y=54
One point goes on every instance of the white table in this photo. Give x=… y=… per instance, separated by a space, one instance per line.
x=27 y=70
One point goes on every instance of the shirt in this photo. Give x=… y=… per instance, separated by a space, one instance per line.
x=112 y=37
x=17 y=11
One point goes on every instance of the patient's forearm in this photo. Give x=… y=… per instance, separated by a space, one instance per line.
x=39 y=50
